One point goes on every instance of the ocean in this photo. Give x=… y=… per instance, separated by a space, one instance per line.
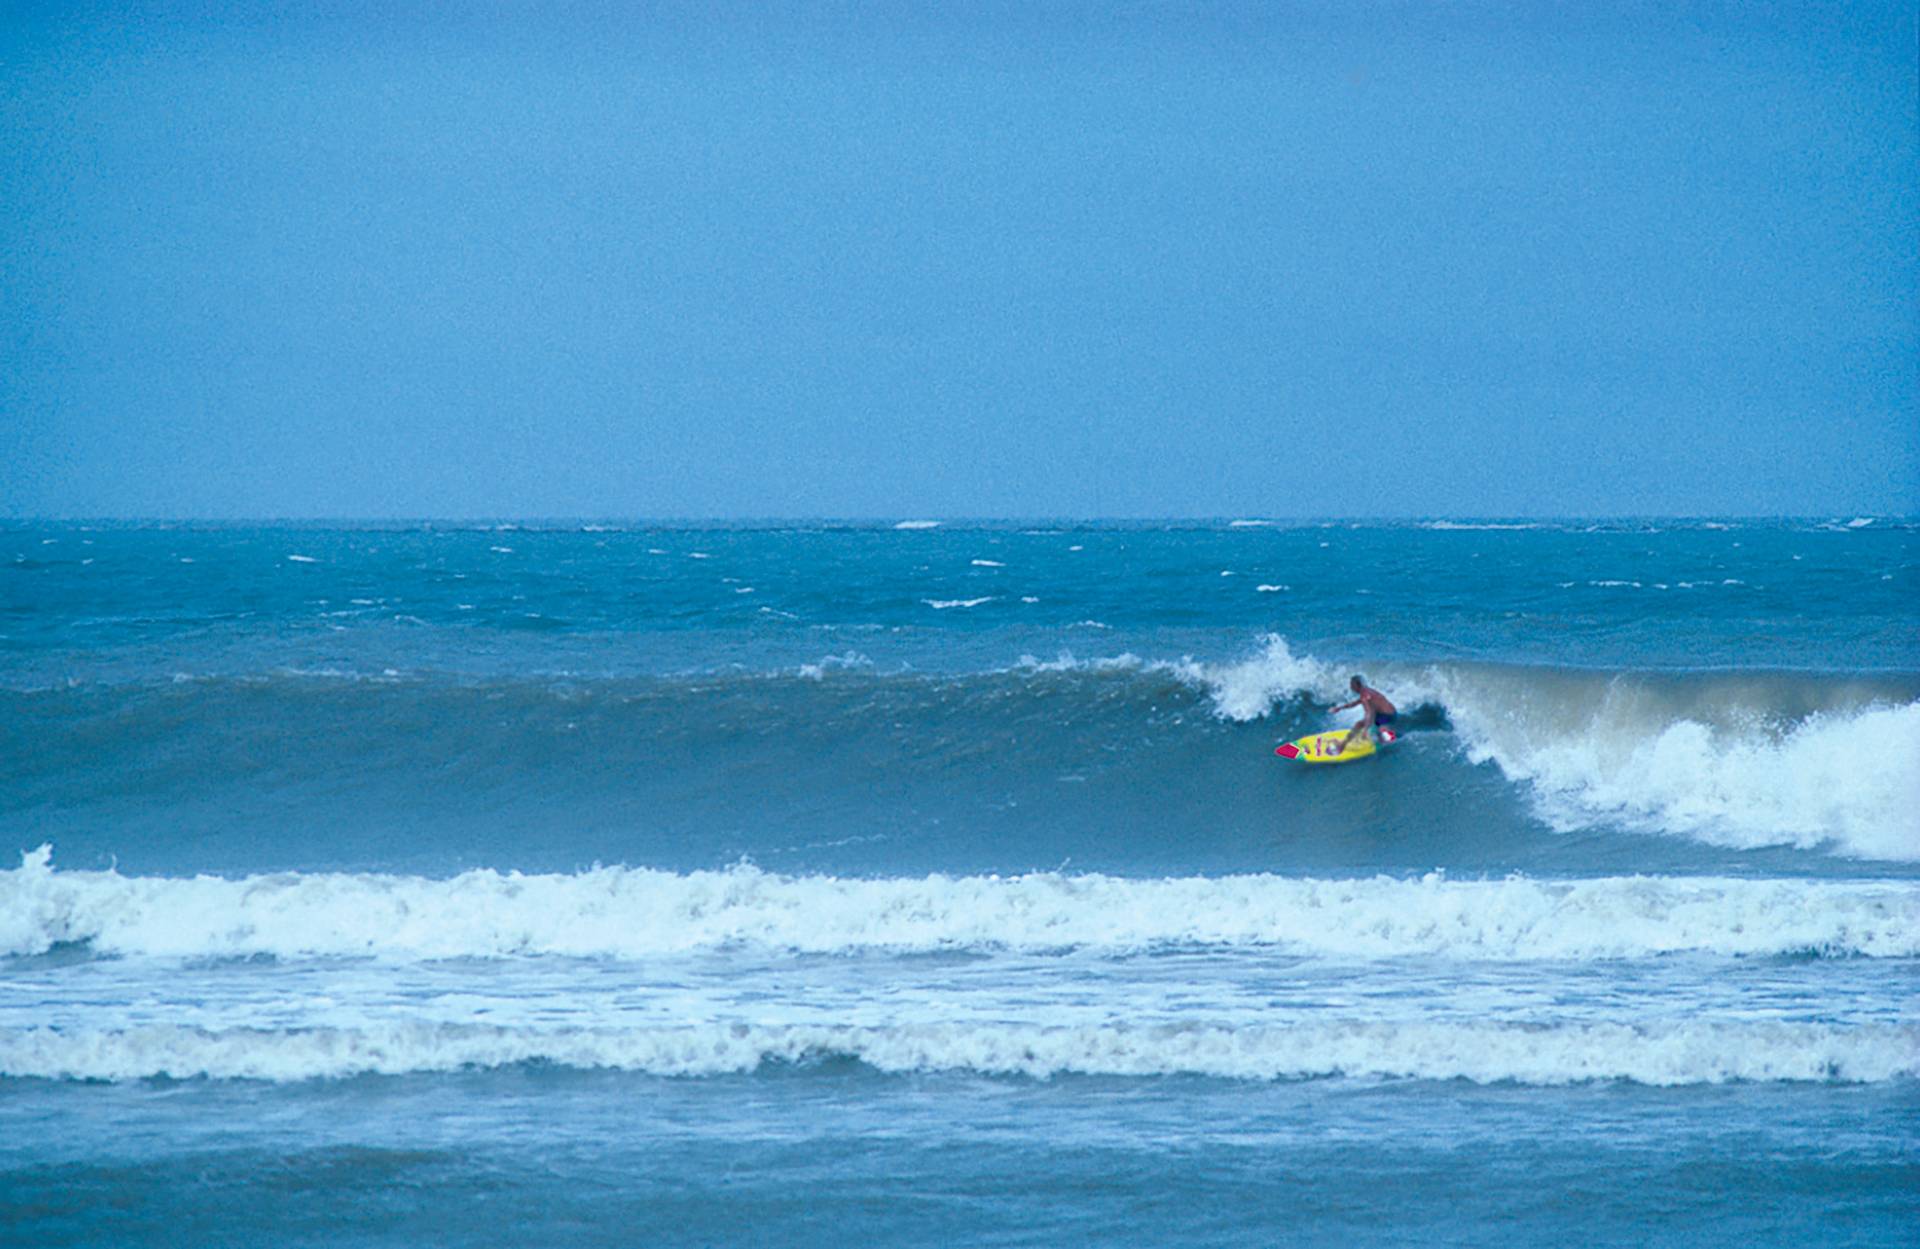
x=936 y=883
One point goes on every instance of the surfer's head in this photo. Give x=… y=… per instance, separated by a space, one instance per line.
x=1358 y=683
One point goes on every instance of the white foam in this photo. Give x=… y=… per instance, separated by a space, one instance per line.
x=845 y=661
x=1272 y=589
x=1538 y=1054
x=1247 y=689
x=1445 y=525
x=301 y=559
x=1066 y=662
x=943 y=604
x=988 y=563
x=620 y=912
x=1845 y=779
x=918 y=524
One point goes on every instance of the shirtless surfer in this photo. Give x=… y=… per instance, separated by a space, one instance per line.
x=1379 y=711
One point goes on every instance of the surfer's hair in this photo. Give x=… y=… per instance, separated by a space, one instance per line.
x=1357 y=681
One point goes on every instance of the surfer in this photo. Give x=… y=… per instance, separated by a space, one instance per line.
x=1379 y=711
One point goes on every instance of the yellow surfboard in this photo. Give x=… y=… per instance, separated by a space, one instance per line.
x=1325 y=747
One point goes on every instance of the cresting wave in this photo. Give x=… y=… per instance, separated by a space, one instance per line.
x=1735 y=759
x=619 y=912
x=1668 y=1054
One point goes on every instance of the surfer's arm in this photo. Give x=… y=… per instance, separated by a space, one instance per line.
x=1344 y=706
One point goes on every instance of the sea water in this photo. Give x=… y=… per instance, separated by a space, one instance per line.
x=933 y=883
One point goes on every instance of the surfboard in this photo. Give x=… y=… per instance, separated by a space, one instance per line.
x=1325 y=747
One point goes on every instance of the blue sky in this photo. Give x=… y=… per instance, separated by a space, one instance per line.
x=850 y=260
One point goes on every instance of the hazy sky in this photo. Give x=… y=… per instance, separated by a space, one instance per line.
x=968 y=259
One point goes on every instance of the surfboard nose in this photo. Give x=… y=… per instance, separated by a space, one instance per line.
x=1287 y=750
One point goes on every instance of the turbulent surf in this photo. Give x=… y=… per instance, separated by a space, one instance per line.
x=743 y=831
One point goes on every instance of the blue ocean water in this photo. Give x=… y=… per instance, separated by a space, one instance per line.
x=930 y=884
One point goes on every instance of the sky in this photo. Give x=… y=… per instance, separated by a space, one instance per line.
x=905 y=260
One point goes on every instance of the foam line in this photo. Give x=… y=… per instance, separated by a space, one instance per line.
x=1668 y=1054
x=618 y=912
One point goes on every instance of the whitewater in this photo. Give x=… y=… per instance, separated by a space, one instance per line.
x=633 y=913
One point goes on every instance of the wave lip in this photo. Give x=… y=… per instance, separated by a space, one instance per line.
x=619 y=912
x=1536 y=1054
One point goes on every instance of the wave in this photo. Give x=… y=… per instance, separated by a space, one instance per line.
x=1535 y=1054
x=619 y=912
x=1732 y=759
x=1743 y=760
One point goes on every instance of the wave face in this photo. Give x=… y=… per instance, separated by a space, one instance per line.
x=1108 y=761
x=638 y=913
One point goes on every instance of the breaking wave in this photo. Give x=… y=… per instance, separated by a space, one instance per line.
x=618 y=912
x=1542 y=1054
x=1732 y=759
x=1735 y=759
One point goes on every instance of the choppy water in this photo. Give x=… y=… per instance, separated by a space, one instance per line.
x=930 y=884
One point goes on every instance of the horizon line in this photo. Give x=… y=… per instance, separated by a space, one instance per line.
x=1247 y=519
